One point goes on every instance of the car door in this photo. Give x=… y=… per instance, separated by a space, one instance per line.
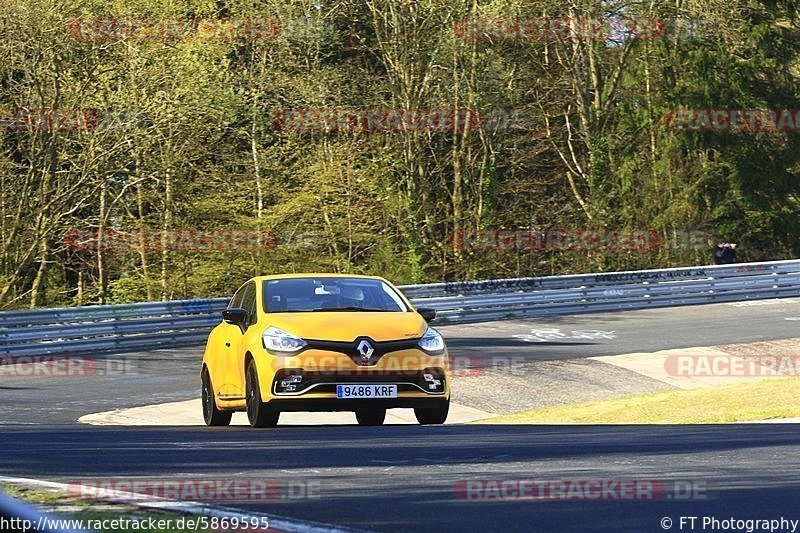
x=227 y=374
x=238 y=345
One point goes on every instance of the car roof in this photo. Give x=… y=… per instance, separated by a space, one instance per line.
x=314 y=275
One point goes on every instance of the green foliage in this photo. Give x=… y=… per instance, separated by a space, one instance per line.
x=187 y=138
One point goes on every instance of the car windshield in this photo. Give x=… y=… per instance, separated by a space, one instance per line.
x=305 y=295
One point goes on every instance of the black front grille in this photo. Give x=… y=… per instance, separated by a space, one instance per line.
x=325 y=381
x=350 y=349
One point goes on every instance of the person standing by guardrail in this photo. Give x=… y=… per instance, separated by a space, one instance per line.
x=725 y=253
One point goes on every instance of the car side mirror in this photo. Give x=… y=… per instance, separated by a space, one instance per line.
x=428 y=313
x=235 y=315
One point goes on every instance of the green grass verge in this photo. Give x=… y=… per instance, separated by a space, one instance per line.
x=65 y=507
x=743 y=402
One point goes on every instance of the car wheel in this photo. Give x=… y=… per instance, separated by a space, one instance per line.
x=370 y=417
x=433 y=415
x=259 y=414
x=211 y=414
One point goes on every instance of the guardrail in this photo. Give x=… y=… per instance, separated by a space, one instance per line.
x=108 y=328
x=146 y=326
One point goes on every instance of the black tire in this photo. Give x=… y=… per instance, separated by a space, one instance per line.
x=433 y=415
x=211 y=413
x=259 y=414
x=371 y=416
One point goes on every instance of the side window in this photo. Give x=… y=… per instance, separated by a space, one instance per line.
x=236 y=301
x=249 y=302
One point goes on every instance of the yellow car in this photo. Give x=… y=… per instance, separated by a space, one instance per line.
x=323 y=342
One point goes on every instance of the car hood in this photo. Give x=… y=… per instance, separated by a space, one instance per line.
x=346 y=326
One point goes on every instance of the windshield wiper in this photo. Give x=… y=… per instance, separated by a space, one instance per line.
x=351 y=308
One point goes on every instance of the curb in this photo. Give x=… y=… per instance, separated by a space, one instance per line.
x=276 y=523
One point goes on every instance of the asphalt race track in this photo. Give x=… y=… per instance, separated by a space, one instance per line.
x=402 y=478
x=135 y=379
x=395 y=478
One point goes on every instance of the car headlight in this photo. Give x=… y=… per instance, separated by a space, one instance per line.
x=432 y=342
x=277 y=340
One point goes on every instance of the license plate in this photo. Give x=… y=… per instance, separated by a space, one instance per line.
x=345 y=392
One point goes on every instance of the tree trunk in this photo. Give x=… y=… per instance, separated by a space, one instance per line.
x=101 y=260
x=166 y=228
x=143 y=243
x=38 y=281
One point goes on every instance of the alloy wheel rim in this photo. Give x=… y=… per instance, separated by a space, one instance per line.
x=206 y=398
x=251 y=395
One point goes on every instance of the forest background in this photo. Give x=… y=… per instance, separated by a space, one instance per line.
x=162 y=150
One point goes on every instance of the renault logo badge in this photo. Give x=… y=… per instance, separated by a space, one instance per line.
x=365 y=349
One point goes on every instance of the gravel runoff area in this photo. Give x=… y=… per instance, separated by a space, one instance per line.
x=531 y=384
